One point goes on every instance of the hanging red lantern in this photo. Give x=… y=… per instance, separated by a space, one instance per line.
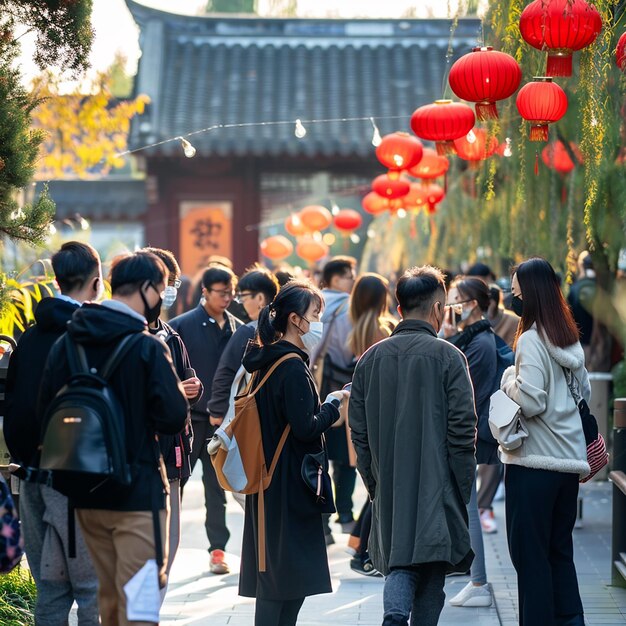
x=294 y=225
x=431 y=166
x=476 y=146
x=399 y=151
x=374 y=204
x=276 y=248
x=620 y=53
x=311 y=250
x=443 y=122
x=347 y=220
x=434 y=195
x=316 y=217
x=417 y=198
x=560 y=27
x=390 y=188
x=484 y=76
x=556 y=157
x=541 y=102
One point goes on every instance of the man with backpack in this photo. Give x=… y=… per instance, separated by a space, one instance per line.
x=43 y=511
x=121 y=504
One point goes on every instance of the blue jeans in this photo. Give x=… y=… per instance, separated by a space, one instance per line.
x=416 y=591
x=478 y=570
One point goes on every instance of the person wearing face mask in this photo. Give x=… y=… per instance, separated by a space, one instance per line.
x=469 y=299
x=413 y=426
x=43 y=511
x=125 y=527
x=296 y=560
x=176 y=449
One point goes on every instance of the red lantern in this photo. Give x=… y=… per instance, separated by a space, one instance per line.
x=480 y=148
x=561 y=27
x=556 y=157
x=399 y=151
x=434 y=195
x=374 y=204
x=311 y=250
x=620 y=53
x=390 y=188
x=347 y=220
x=276 y=248
x=416 y=198
x=541 y=102
x=431 y=166
x=443 y=122
x=316 y=217
x=294 y=225
x=484 y=76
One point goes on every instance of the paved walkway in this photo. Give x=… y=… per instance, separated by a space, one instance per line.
x=198 y=598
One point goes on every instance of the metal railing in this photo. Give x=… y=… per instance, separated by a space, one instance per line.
x=618 y=478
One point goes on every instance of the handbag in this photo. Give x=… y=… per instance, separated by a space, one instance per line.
x=506 y=422
x=316 y=477
x=11 y=541
x=597 y=455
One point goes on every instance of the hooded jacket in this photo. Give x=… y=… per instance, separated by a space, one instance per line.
x=22 y=421
x=147 y=388
x=336 y=302
x=537 y=383
x=413 y=427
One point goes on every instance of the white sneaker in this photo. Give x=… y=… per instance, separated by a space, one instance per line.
x=487 y=522
x=471 y=595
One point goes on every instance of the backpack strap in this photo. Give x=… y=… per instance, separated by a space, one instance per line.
x=76 y=357
x=270 y=372
x=119 y=353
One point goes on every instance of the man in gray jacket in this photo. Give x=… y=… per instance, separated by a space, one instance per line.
x=413 y=427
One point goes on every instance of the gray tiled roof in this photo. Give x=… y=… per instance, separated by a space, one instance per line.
x=204 y=71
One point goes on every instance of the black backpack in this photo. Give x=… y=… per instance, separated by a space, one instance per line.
x=84 y=439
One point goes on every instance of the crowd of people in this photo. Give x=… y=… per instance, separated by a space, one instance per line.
x=394 y=381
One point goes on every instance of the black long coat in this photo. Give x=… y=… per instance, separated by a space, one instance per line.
x=296 y=559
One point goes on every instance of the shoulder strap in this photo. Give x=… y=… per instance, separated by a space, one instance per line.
x=271 y=371
x=76 y=357
x=119 y=353
x=572 y=385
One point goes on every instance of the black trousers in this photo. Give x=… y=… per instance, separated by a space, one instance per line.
x=214 y=496
x=344 y=479
x=540 y=516
x=277 y=612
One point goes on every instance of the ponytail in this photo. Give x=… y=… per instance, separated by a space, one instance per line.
x=294 y=297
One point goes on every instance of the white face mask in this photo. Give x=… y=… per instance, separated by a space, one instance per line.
x=169 y=297
x=465 y=313
x=312 y=338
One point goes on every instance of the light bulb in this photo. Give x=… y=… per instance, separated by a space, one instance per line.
x=329 y=239
x=508 y=152
x=300 y=130
x=84 y=224
x=401 y=213
x=398 y=159
x=354 y=238
x=295 y=219
x=317 y=236
x=188 y=149
x=376 y=138
x=471 y=137
x=53 y=229
x=371 y=233
x=334 y=209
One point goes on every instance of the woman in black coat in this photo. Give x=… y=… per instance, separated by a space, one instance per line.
x=296 y=560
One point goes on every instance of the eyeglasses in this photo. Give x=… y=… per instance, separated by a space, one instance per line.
x=223 y=293
x=240 y=297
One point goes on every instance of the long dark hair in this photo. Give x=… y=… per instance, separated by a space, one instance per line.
x=544 y=303
x=472 y=288
x=295 y=297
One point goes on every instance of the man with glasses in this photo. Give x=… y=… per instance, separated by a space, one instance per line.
x=205 y=331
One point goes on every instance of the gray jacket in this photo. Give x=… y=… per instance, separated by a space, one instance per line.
x=414 y=426
x=337 y=341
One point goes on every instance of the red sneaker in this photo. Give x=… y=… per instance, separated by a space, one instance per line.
x=218 y=564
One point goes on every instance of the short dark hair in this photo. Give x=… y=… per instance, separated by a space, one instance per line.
x=74 y=264
x=337 y=266
x=221 y=274
x=130 y=271
x=295 y=297
x=482 y=270
x=169 y=259
x=418 y=287
x=473 y=288
x=259 y=279
x=283 y=277
x=544 y=304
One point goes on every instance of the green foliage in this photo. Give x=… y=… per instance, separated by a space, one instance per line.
x=17 y=598
x=230 y=6
x=619 y=380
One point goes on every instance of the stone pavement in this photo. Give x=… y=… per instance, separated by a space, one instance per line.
x=196 y=597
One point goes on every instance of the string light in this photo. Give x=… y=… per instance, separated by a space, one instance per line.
x=401 y=213
x=300 y=130
x=335 y=208
x=471 y=137
x=329 y=239
x=354 y=238
x=371 y=233
x=376 y=138
x=507 y=152
x=84 y=224
x=188 y=149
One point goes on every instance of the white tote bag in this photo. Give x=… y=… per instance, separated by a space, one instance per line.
x=506 y=422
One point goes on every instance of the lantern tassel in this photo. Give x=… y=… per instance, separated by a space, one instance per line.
x=486 y=111
x=564 y=194
x=539 y=132
x=536 y=162
x=445 y=147
x=559 y=64
x=445 y=182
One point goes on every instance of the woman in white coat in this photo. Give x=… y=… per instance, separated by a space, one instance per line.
x=542 y=475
